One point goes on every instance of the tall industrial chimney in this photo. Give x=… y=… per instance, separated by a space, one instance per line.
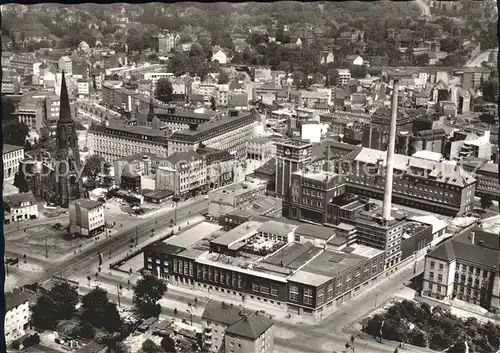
x=389 y=169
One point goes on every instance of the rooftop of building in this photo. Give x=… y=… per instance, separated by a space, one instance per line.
x=412 y=228
x=332 y=263
x=11 y=148
x=314 y=231
x=294 y=143
x=293 y=255
x=268 y=168
x=122 y=126
x=251 y=326
x=277 y=228
x=87 y=204
x=213 y=125
x=16 y=200
x=319 y=175
x=428 y=155
x=461 y=248
x=363 y=250
x=193 y=235
x=17 y=297
x=235 y=189
x=436 y=223
x=444 y=172
x=222 y=313
x=238 y=234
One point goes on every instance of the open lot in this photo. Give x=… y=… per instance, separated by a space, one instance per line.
x=34 y=242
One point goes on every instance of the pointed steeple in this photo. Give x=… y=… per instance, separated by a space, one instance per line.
x=64 y=110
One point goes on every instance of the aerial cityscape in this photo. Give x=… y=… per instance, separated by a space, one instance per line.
x=281 y=177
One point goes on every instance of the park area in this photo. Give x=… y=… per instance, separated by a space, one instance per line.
x=436 y=328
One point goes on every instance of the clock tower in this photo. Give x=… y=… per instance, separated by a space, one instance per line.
x=291 y=156
x=67 y=156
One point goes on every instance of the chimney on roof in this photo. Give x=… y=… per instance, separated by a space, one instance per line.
x=389 y=173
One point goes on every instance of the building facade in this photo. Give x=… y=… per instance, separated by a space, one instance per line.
x=228 y=133
x=20 y=207
x=12 y=155
x=86 y=218
x=465 y=268
x=17 y=315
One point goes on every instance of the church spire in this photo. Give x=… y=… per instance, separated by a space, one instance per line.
x=65 y=110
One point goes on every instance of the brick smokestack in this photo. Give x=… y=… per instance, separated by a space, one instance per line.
x=389 y=169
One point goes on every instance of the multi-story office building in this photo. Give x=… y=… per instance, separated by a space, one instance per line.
x=52 y=106
x=17 y=314
x=228 y=133
x=220 y=167
x=12 y=155
x=311 y=191
x=440 y=187
x=20 y=207
x=117 y=139
x=185 y=175
x=486 y=175
x=175 y=119
x=466 y=268
x=230 y=329
x=86 y=217
x=291 y=156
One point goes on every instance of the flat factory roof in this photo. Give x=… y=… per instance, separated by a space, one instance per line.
x=193 y=235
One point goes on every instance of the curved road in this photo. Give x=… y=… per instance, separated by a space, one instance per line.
x=118 y=243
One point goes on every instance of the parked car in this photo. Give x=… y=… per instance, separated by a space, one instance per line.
x=57 y=226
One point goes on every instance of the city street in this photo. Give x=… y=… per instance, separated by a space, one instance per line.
x=293 y=334
x=88 y=258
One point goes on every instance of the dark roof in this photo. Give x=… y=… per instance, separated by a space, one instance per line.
x=461 y=248
x=64 y=110
x=17 y=297
x=16 y=199
x=179 y=158
x=268 y=168
x=212 y=128
x=223 y=313
x=251 y=326
x=10 y=148
x=88 y=204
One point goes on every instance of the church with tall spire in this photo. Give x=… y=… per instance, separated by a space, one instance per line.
x=56 y=179
x=69 y=184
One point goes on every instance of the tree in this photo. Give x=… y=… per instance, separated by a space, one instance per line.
x=20 y=181
x=98 y=311
x=164 y=90
x=66 y=297
x=223 y=78
x=147 y=291
x=148 y=346
x=168 y=344
x=486 y=201
x=94 y=165
x=44 y=313
x=421 y=60
x=449 y=44
x=15 y=133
